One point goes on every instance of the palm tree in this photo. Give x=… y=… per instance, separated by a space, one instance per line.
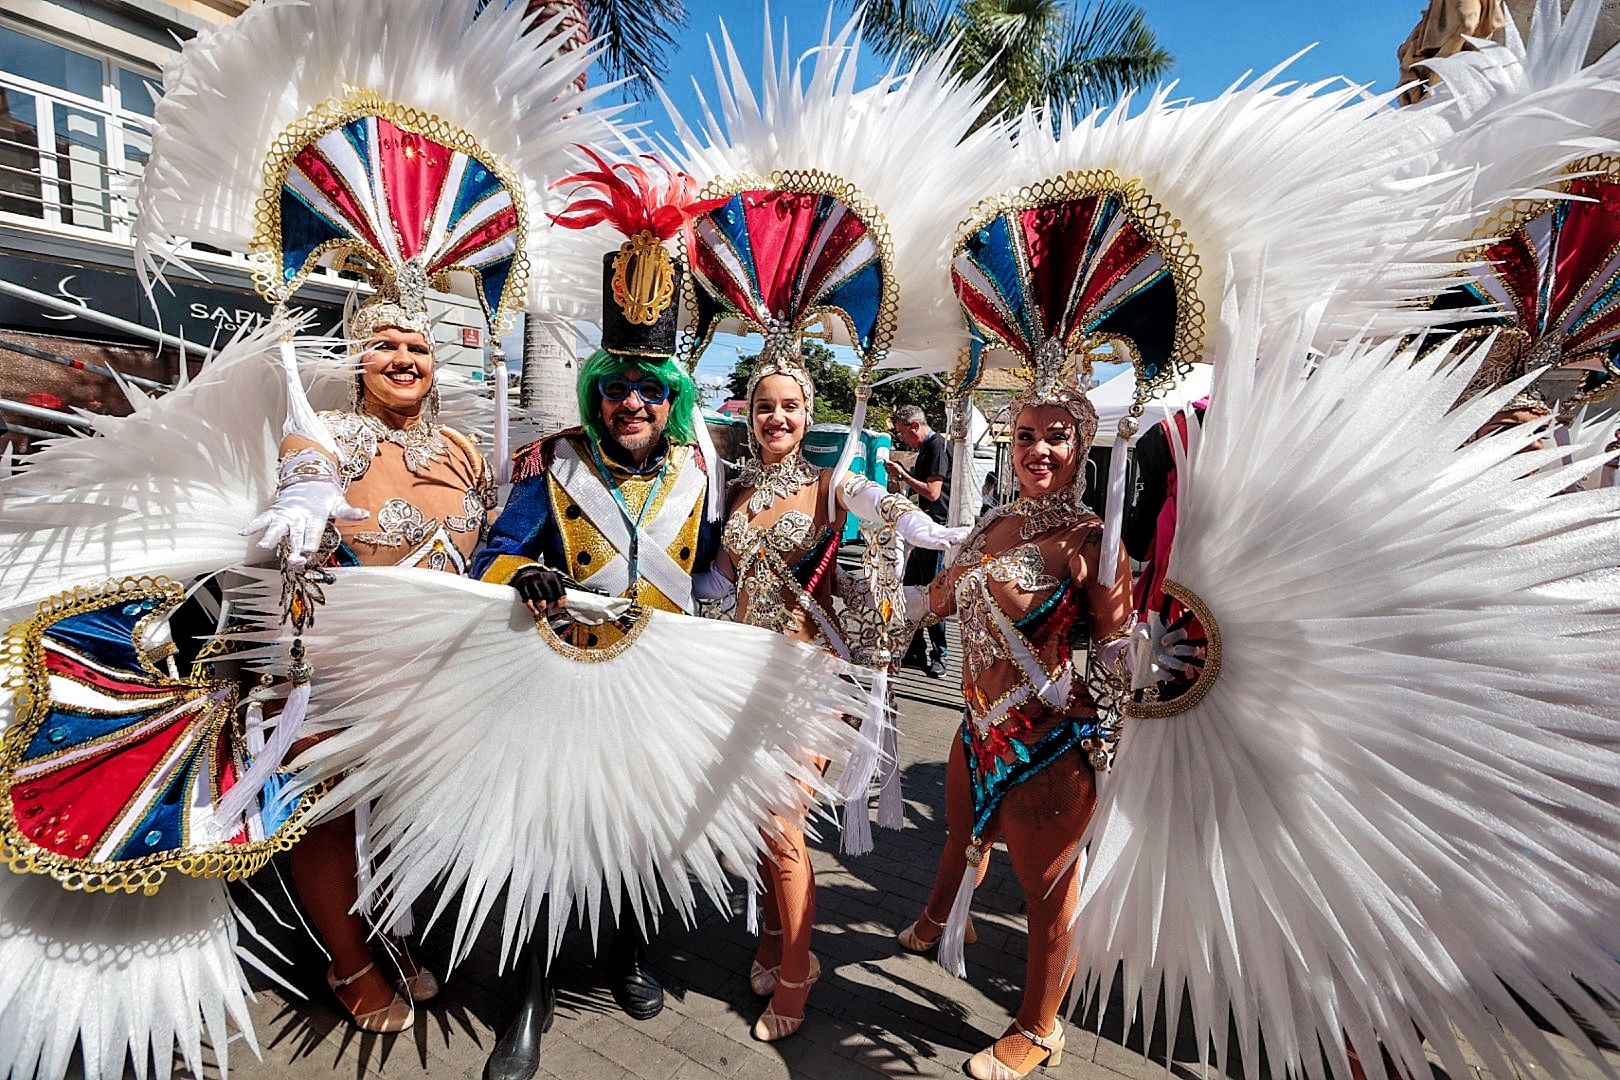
x=1033 y=51
x=634 y=33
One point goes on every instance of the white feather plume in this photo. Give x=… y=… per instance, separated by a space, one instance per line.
x=165 y=490
x=1395 y=810
x=1516 y=114
x=495 y=765
x=1304 y=191
x=907 y=142
x=235 y=88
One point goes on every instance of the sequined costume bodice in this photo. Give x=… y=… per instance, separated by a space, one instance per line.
x=785 y=552
x=429 y=493
x=1022 y=589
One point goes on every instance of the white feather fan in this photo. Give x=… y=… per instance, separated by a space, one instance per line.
x=1395 y=810
x=235 y=88
x=496 y=764
x=907 y=142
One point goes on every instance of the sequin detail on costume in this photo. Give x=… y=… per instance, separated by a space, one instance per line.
x=359 y=435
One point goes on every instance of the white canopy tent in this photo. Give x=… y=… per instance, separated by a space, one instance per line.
x=1113 y=400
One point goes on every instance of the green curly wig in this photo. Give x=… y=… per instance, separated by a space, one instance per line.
x=682 y=392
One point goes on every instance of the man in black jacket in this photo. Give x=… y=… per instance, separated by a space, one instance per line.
x=930 y=481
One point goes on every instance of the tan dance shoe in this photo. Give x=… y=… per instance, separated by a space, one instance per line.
x=416 y=984
x=773 y=1026
x=986 y=1066
x=391 y=1019
x=913 y=942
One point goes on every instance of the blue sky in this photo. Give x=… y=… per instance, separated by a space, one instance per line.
x=1212 y=43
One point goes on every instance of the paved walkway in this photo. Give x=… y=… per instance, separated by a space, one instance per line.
x=876 y=1012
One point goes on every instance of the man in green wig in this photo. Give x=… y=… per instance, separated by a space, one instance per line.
x=621 y=505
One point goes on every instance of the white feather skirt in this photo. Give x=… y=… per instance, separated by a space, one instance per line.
x=141 y=978
x=494 y=763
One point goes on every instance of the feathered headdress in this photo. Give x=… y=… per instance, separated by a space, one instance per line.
x=1540 y=135
x=1310 y=192
x=1079 y=268
x=840 y=202
x=640 y=279
x=408 y=140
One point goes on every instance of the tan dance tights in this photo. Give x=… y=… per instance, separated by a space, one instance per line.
x=1041 y=820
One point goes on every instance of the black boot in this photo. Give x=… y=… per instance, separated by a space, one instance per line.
x=516 y=1055
x=635 y=987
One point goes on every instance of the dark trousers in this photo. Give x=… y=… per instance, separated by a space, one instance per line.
x=922 y=566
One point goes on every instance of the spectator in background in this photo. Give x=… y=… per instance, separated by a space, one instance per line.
x=930 y=481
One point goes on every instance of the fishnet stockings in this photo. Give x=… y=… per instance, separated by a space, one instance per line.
x=1041 y=821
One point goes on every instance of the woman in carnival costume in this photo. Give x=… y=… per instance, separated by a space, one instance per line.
x=830 y=204
x=1363 y=793
x=1044 y=623
x=401 y=490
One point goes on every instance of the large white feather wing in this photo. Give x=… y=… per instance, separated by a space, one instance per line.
x=493 y=762
x=1395 y=810
x=165 y=490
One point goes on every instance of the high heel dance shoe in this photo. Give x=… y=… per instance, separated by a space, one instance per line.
x=986 y=1066
x=773 y=1026
x=391 y=1019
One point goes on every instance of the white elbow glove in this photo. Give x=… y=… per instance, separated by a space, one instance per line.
x=919 y=530
x=308 y=495
x=875 y=506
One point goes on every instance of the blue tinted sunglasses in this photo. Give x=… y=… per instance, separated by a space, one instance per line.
x=649 y=388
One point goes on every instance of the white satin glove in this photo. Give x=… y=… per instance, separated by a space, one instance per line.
x=307 y=497
x=917 y=606
x=920 y=530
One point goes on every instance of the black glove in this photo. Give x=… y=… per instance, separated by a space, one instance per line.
x=537 y=585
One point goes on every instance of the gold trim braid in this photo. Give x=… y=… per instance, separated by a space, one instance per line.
x=26 y=680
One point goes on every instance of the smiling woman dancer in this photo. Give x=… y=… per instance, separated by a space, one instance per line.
x=1025 y=587
x=803 y=253
x=400 y=491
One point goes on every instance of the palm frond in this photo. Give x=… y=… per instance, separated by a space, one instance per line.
x=635 y=34
x=1108 y=49
x=907 y=30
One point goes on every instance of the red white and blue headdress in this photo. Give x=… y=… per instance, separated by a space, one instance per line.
x=1079 y=268
x=1537 y=129
x=412 y=142
x=840 y=202
x=783 y=254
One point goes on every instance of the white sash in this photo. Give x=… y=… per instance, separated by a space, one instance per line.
x=590 y=493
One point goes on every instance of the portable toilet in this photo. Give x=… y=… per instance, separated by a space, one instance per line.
x=823 y=443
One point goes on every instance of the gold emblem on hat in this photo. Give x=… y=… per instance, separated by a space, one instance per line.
x=643 y=279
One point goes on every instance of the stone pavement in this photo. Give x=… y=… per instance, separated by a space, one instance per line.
x=876 y=1012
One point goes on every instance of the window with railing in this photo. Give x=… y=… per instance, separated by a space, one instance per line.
x=71 y=140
